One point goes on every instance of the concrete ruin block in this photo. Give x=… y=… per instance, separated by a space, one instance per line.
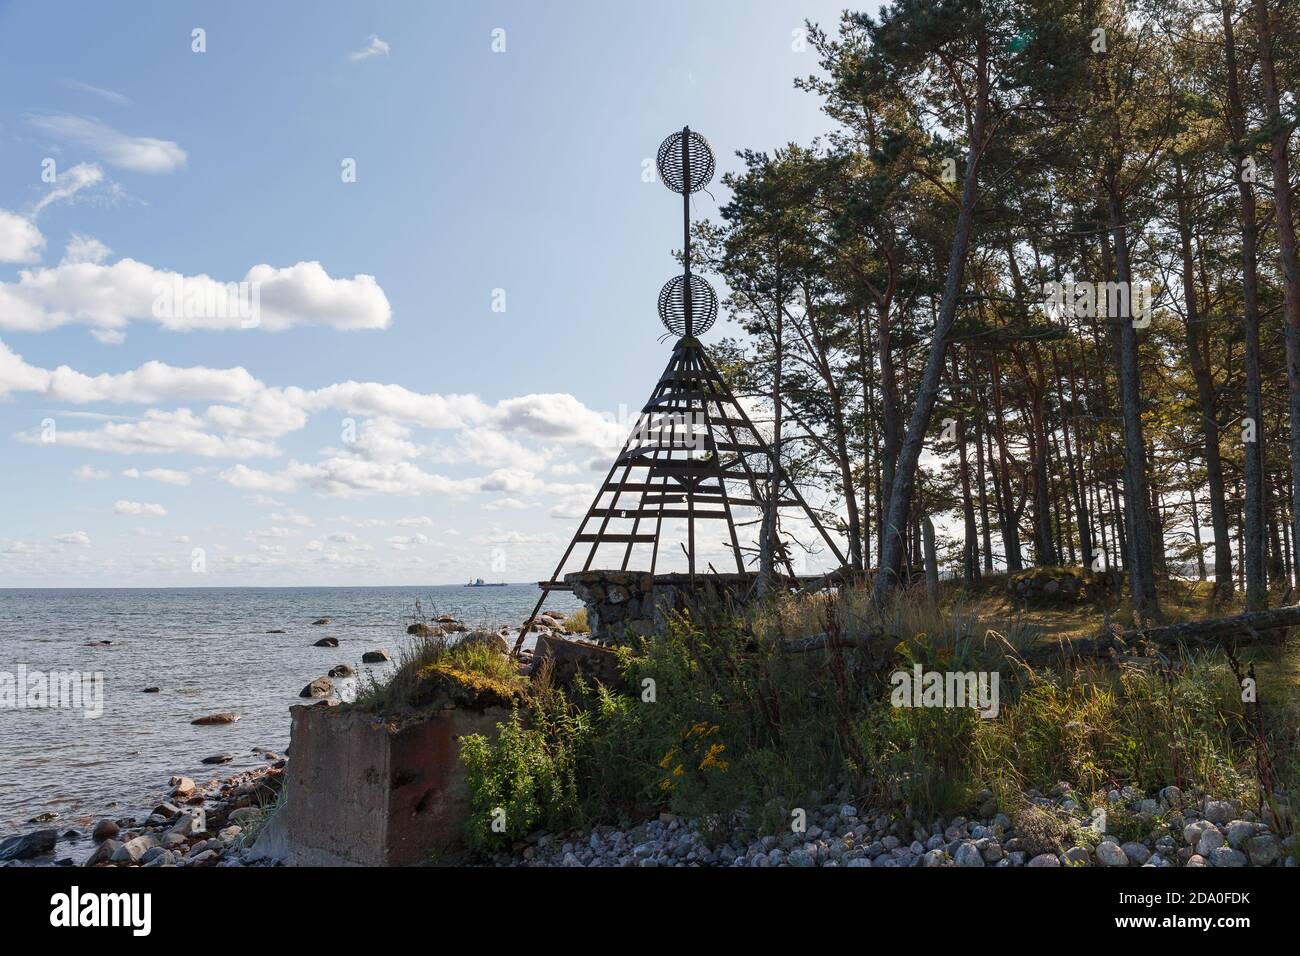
x=362 y=790
x=569 y=658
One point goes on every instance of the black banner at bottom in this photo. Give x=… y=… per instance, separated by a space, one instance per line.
x=142 y=904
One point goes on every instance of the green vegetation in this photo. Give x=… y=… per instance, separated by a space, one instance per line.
x=576 y=623
x=725 y=727
x=466 y=672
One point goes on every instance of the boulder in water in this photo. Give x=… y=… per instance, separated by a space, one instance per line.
x=320 y=687
x=375 y=657
x=215 y=719
x=327 y=642
x=319 y=621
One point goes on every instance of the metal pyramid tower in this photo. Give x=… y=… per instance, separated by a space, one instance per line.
x=694 y=453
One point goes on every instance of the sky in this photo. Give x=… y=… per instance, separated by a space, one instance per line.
x=444 y=212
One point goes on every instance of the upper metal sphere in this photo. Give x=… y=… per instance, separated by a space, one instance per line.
x=671 y=165
x=672 y=306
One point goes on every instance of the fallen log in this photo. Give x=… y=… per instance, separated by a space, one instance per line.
x=1192 y=634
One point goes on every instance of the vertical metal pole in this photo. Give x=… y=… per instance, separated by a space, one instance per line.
x=690 y=332
x=686 y=228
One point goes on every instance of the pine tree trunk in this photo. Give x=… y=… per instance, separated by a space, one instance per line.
x=1206 y=398
x=1142 y=579
x=1286 y=240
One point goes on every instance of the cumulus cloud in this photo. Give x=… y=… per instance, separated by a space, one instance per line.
x=292 y=518
x=110 y=296
x=168 y=476
x=250 y=479
x=84 y=249
x=506 y=504
x=87 y=473
x=159 y=432
x=140 y=154
x=559 y=417
x=347 y=477
x=20 y=240
x=79 y=538
x=375 y=47
x=139 y=509
x=417 y=521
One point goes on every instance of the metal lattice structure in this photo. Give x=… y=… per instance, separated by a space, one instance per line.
x=673 y=307
x=694 y=454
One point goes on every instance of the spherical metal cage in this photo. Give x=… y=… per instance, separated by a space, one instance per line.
x=671 y=164
x=672 y=306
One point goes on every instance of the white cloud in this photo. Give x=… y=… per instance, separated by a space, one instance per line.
x=301 y=521
x=250 y=479
x=275 y=532
x=108 y=336
x=507 y=504
x=559 y=417
x=111 y=95
x=383 y=440
x=419 y=521
x=79 y=538
x=349 y=477
x=111 y=296
x=483 y=445
x=341 y=537
x=376 y=47
x=405 y=543
x=139 y=509
x=87 y=473
x=84 y=249
x=572 y=507
x=167 y=476
x=70 y=182
x=159 y=432
x=20 y=240
x=141 y=154
x=516 y=481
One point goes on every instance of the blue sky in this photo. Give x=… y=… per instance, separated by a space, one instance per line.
x=381 y=423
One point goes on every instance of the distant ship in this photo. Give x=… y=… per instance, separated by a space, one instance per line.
x=479 y=583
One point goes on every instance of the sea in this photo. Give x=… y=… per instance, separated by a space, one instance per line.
x=208 y=650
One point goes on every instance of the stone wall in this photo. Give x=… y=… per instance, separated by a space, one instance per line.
x=361 y=790
x=620 y=604
x=624 y=604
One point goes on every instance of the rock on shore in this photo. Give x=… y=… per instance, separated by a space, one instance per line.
x=1054 y=831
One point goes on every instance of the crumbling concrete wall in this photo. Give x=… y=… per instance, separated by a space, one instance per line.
x=362 y=790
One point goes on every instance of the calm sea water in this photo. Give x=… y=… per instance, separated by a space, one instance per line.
x=209 y=651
